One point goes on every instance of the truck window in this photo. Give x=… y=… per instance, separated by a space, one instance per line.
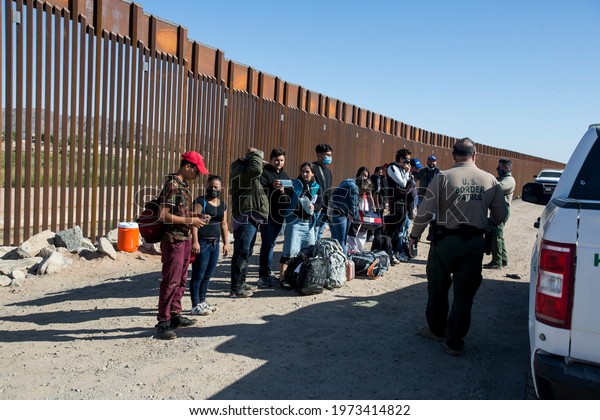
x=587 y=182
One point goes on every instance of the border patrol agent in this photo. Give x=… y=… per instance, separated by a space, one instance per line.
x=507 y=182
x=460 y=199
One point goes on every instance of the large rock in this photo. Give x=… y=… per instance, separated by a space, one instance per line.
x=5 y=281
x=86 y=244
x=7 y=266
x=32 y=246
x=17 y=275
x=53 y=264
x=7 y=251
x=69 y=238
x=107 y=248
x=113 y=236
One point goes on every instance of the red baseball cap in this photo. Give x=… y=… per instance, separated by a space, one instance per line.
x=197 y=159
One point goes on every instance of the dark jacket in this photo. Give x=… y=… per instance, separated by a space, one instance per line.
x=247 y=195
x=324 y=178
x=425 y=177
x=278 y=201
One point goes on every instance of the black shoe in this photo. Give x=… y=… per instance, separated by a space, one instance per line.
x=164 y=332
x=241 y=294
x=504 y=264
x=492 y=266
x=181 y=321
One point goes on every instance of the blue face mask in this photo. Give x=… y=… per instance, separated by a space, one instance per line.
x=327 y=160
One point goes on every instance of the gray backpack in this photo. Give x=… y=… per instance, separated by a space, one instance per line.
x=331 y=250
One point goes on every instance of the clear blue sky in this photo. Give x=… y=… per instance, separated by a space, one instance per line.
x=518 y=74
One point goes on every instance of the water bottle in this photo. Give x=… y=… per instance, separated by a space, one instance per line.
x=349 y=270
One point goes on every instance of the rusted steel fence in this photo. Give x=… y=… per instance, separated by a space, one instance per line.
x=100 y=100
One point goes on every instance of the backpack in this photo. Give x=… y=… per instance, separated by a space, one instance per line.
x=290 y=278
x=384 y=261
x=151 y=228
x=331 y=251
x=312 y=277
x=383 y=242
x=366 y=264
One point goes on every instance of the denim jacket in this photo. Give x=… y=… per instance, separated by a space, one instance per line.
x=344 y=199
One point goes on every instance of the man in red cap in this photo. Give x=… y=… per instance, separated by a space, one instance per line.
x=176 y=214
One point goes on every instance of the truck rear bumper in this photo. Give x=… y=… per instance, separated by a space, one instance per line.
x=556 y=379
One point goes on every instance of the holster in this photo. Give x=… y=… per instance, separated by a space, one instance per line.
x=465 y=232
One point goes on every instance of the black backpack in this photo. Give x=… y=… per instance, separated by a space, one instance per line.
x=313 y=276
x=290 y=278
x=383 y=242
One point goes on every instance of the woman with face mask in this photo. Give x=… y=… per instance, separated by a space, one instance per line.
x=306 y=201
x=205 y=243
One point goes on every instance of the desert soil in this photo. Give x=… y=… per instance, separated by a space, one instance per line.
x=87 y=333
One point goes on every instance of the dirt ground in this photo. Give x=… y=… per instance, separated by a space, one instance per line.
x=87 y=333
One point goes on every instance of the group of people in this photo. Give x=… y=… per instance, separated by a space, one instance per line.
x=458 y=205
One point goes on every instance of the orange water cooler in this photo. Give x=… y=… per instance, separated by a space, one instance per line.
x=128 y=237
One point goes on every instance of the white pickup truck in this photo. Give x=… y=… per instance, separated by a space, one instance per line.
x=564 y=303
x=549 y=179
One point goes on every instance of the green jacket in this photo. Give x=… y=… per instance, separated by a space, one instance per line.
x=247 y=194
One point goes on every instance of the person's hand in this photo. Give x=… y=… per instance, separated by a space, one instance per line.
x=412 y=243
x=277 y=185
x=225 y=249
x=252 y=149
x=199 y=222
x=195 y=247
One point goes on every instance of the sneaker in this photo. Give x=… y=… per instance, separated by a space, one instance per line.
x=267 y=282
x=426 y=332
x=249 y=287
x=504 y=264
x=164 y=332
x=181 y=321
x=201 y=309
x=395 y=260
x=450 y=351
x=242 y=294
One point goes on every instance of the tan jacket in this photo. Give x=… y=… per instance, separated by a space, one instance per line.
x=461 y=195
x=508 y=184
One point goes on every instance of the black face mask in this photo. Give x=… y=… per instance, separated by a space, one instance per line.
x=212 y=193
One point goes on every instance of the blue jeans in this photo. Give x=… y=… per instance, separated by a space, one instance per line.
x=202 y=269
x=402 y=235
x=243 y=243
x=268 y=235
x=299 y=235
x=339 y=230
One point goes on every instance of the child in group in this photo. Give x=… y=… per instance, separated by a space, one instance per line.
x=205 y=244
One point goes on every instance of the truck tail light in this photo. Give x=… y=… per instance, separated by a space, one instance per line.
x=555 y=283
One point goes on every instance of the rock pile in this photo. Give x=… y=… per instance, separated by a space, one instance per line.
x=48 y=253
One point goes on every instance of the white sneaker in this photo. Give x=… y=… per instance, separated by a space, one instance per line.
x=201 y=309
